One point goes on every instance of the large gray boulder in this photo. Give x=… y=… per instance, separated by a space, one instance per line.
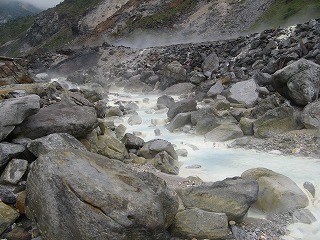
x=55 y=141
x=81 y=195
x=111 y=147
x=216 y=89
x=186 y=105
x=310 y=116
x=200 y=224
x=75 y=120
x=232 y=196
x=165 y=163
x=299 y=81
x=179 y=120
x=8 y=151
x=276 y=121
x=13 y=111
x=155 y=146
x=210 y=64
x=277 y=193
x=245 y=92
x=175 y=71
x=166 y=101
x=224 y=132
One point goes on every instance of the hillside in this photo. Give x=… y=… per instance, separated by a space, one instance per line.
x=136 y=23
x=13 y=9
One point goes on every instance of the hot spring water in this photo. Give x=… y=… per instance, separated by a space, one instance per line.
x=219 y=162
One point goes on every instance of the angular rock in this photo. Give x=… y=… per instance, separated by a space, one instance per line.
x=77 y=121
x=165 y=163
x=277 y=193
x=166 y=101
x=304 y=216
x=186 y=105
x=113 y=111
x=92 y=196
x=179 y=89
x=299 y=81
x=14 y=171
x=134 y=120
x=200 y=224
x=310 y=187
x=6 y=195
x=197 y=78
x=246 y=125
x=179 y=120
x=310 y=116
x=216 y=89
x=245 y=92
x=175 y=71
x=7 y=216
x=155 y=146
x=276 y=121
x=207 y=124
x=13 y=111
x=111 y=147
x=210 y=64
x=232 y=196
x=132 y=142
x=55 y=141
x=8 y=151
x=223 y=133
x=201 y=113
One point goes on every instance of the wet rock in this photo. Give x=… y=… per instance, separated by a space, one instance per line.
x=77 y=121
x=232 y=196
x=165 y=163
x=207 y=124
x=8 y=151
x=277 y=193
x=14 y=171
x=114 y=214
x=206 y=112
x=55 y=141
x=224 y=132
x=7 y=216
x=113 y=111
x=132 y=142
x=179 y=120
x=134 y=120
x=303 y=216
x=298 y=81
x=14 y=111
x=186 y=105
x=153 y=147
x=245 y=92
x=166 y=101
x=200 y=224
x=6 y=195
x=310 y=187
x=182 y=152
x=276 y=121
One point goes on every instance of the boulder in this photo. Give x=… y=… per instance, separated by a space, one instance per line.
x=132 y=142
x=90 y=195
x=13 y=111
x=134 y=120
x=197 y=77
x=276 y=121
x=111 y=147
x=277 y=193
x=7 y=216
x=216 y=89
x=232 y=196
x=201 y=113
x=270 y=102
x=210 y=64
x=11 y=72
x=200 y=224
x=186 y=105
x=175 y=71
x=245 y=92
x=166 y=101
x=155 y=146
x=8 y=151
x=55 y=141
x=207 y=124
x=299 y=81
x=246 y=125
x=75 y=120
x=113 y=111
x=14 y=171
x=224 y=132
x=303 y=216
x=179 y=120
x=165 y=163
x=310 y=116
x=179 y=89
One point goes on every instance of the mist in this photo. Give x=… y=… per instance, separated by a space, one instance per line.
x=42 y=4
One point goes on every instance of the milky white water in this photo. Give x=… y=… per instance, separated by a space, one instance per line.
x=219 y=162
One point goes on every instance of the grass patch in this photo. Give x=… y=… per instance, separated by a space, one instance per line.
x=286 y=12
x=165 y=17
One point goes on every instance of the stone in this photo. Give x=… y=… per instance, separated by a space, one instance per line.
x=14 y=171
x=197 y=77
x=92 y=196
x=186 y=105
x=210 y=64
x=179 y=120
x=303 y=216
x=166 y=101
x=113 y=111
x=232 y=196
x=8 y=151
x=6 y=195
x=55 y=141
x=155 y=146
x=21 y=202
x=262 y=79
x=216 y=89
x=165 y=163
x=200 y=224
x=179 y=89
x=205 y=112
x=111 y=147
x=75 y=120
x=132 y=142
x=310 y=187
x=15 y=110
x=299 y=81
x=224 y=132
x=246 y=125
x=134 y=120
x=276 y=121
x=18 y=233
x=182 y=152
x=7 y=216
x=310 y=115
x=277 y=193
x=175 y=71
x=245 y=92
x=207 y=124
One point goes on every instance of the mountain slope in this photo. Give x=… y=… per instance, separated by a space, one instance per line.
x=10 y=9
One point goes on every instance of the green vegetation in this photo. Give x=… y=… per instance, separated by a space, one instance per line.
x=15 y=28
x=75 y=8
x=285 y=12
x=165 y=17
